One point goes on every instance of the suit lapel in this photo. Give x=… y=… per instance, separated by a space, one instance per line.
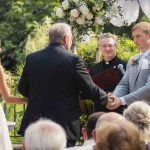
x=136 y=70
x=140 y=69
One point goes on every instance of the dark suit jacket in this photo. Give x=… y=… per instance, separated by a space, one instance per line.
x=53 y=80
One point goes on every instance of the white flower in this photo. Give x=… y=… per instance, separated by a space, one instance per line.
x=65 y=4
x=72 y=19
x=59 y=12
x=99 y=20
x=80 y=20
x=89 y=16
x=85 y=38
x=84 y=9
x=75 y=1
x=74 y=13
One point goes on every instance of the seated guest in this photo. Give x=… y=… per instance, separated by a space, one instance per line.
x=44 y=135
x=110 y=117
x=139 y=114
x=119 y=135
x=107 y=46
x=87 y=132
x=107 y=117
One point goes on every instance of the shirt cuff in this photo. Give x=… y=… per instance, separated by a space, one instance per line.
x=123 y=101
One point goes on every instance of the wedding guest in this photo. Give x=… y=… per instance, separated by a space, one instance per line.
x=119 y=135
x=44 y=135
x=139 y=114
x=88 y=131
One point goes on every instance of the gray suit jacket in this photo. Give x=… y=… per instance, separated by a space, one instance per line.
x=135 y=85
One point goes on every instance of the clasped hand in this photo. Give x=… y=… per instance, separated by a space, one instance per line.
x=113 y=102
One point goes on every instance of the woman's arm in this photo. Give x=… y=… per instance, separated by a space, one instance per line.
x=6 y=92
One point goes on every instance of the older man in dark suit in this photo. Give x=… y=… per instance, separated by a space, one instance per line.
x=53 y=80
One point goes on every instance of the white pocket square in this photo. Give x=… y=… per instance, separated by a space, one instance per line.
x=144 y=64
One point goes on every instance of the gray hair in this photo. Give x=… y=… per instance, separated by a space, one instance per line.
x=107 y=35
x=45 y=135
x=139 y=114
x=58 y=31
x=102 y=36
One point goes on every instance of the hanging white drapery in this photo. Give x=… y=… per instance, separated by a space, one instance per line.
x=145 y=5
x=130 y=11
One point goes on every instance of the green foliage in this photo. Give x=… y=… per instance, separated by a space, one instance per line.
x=38 y=38
x=88 y=52
x=126 y=48
x=18 y=19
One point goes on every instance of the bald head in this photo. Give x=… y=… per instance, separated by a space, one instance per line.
x=111 y=116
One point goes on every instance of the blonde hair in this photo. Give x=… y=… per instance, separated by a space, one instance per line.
x=139 y=114
x=145 y=26
x=118 y=136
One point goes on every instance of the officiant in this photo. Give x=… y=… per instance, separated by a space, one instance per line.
x=107 y=50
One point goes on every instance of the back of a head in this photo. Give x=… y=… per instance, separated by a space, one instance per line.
x=58 y=31
x=139 y=114
x=91 y=122
x=45 y=135
x=111 y=116
x=118 y=136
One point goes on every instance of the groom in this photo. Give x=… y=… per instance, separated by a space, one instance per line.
x=135 y=85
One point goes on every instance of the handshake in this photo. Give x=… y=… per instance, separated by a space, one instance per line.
x=113 y=102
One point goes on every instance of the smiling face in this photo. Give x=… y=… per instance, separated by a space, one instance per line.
x=108 y=49
x=141 y=39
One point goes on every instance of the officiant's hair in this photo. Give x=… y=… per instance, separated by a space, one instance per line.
x=107 y=35
x=58 y=31
x=145 y=26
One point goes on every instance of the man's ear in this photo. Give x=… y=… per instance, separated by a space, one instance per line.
x=84 y=134
x=66 y=40
x=94 y=135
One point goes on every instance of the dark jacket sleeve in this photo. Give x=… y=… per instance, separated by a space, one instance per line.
x=87 y=87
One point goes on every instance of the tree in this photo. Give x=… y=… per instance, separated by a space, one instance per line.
x=18 y=19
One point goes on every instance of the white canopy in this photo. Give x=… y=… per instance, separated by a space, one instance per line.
x=130 y=11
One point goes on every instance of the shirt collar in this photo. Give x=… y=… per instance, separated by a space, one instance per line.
x=145 y=53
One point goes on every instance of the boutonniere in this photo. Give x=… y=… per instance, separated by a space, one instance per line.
x=134 y=61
